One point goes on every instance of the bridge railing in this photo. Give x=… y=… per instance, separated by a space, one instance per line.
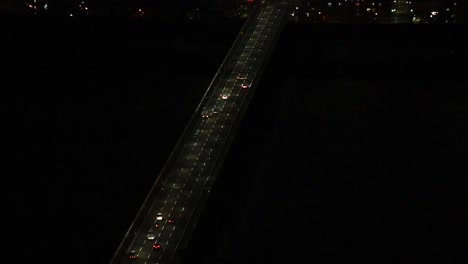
x=243 y=109
x=240 y=37
x=228 y=142
x=272 y=45
x=183 y=244
x=251 y=91
x=156 y=189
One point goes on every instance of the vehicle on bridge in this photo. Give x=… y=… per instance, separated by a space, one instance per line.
x=244 y=86
x=156 y=246
x=132 y=254
x=159 y=217
x=241 y=77
x=151 y=235
x=205 y=114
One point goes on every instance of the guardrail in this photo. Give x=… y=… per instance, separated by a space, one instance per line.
x=232 y=132
x=227 y=144
x=253 y=86
x=174 y=155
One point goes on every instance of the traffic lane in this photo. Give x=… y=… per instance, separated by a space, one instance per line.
x=141 y=241
x=218 y=121
x=203 y=151
x=231 y=105
x=234 y=88
x=170 y=234
x=167 y=238
x=234 y=103
x=267 y=21
x=248 y=60
x=214 y=140
x=142 y=247
x=145 y=251
x=252 y=62
x=170 y=199
x=192 y=155
x=189 y=180
x=199 y=152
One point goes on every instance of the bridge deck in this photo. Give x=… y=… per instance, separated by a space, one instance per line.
x=193 y=167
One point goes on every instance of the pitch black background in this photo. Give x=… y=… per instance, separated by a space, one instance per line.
x=352 y=150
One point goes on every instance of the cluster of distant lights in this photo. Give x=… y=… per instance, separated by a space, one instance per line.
x=33 y=5
x=83 y=7
x=329 y=4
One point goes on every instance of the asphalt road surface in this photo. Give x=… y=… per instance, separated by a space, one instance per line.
x=158 y=239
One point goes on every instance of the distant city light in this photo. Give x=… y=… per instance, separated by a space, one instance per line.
x=342 y=11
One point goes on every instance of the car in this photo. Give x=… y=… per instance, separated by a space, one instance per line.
x=215 y=110
x=171 y=220
x=132 y=254
x=156 y=246
x=159 y=216
x=205 y=114
x=224 y=96
x=241 y=77
x=244 y=86
x=151 y=235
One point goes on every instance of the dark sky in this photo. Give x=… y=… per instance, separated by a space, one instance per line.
x=91 y=114
x=353 y=148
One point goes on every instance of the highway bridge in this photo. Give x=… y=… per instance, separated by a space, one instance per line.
x=165 y=222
